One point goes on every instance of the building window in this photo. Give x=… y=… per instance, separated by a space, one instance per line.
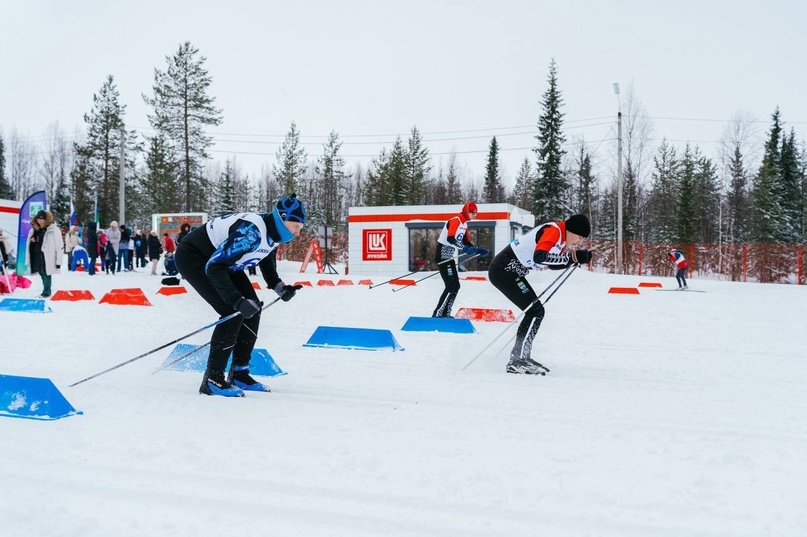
x=423 y=243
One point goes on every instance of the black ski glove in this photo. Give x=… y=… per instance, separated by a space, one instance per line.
x=286 y=292
x=583 y=256
x=248 y=307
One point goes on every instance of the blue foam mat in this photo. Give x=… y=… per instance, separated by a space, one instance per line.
x=261 y=363
x=370 y=339
x=29 y=305
x=439 y=324
x=32 y=398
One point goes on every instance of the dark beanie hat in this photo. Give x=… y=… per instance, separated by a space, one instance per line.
x=578 y=224
x=41 y=214
x=291 y=209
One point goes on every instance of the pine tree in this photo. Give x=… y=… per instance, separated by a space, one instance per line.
x=330 y=181
x=493 y=191
x=182 y=108
x=416 y=164
x=584 y=200
x=664 y=195
x=399 y=180
x=707 y=197
x=521 y=192
x=453 y=190
x=766 y=214
x=550 y=186
x=160 y=184
x=789 y=190
x=225 y=190
x=738 y=203
x=687 y=201
x=375 y=191
x=105 y=136
x=292 y=162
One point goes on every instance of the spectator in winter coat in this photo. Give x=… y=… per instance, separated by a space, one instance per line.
x=212 y=259
x=680 y=263
x=113 y=236
x=33 y=254
x=6 y=246
x=71 y=240
x=141 y=248
x=52 y=250
x=168 y=244
x=92 y=245
x=123 y=249
x=103 y=242
x=548 y=245
x=453 y=239
x=155 y=249
x=184 y=229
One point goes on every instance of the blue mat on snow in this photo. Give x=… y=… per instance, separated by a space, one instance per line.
x=261 y=363
x=32 y=398
x=366 y=339
x=32 y=305
x=439 y=324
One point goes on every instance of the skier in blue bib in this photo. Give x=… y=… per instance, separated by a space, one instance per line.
x=212 y=259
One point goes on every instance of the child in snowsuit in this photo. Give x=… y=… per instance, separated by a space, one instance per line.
x=680 y=262
x=548 y=245
x=454 y=238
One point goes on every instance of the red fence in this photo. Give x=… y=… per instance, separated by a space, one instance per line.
x=766 y=263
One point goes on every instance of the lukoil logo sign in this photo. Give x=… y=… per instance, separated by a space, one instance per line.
x=376 y=245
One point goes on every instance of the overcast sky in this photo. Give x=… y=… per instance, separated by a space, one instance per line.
x=461 y=71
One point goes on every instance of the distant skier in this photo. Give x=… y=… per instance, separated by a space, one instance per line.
x=453 y=239
x=212 y=259
x=548 y=245
x=680 y=262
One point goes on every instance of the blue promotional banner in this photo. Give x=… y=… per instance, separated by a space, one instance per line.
x=31 y=206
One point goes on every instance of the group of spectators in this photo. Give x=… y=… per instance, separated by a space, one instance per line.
x=118 y=248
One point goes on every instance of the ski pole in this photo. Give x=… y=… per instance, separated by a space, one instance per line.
x=410 y=273
x=426 y=277
x=223 y=319
x=568 y=270
x=172 y=362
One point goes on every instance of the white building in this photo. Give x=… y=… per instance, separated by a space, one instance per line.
x=397 y=240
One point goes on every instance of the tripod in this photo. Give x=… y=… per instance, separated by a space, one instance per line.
x=327 y=267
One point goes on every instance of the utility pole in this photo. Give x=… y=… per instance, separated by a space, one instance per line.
x=122 y=190
x=619 y=266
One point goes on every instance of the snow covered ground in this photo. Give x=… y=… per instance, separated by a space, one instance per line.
x=665 y=414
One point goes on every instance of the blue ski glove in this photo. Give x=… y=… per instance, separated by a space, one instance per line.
x=248 y=307
x=483 y=252
x=469 y=250
x=286 y=292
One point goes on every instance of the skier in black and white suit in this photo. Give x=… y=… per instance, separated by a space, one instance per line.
x=212 y=259
x=544 y=246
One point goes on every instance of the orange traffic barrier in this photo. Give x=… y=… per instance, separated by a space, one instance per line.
x=402 y=282
x=63 y=294
x=487 y=315
x=650 y=284
x=125 y=297
x=325 y=283
x=365 y=282
x=477 y=278
x=172 y=290
x=304 y=283
x=345 y=282
x=623 y=291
